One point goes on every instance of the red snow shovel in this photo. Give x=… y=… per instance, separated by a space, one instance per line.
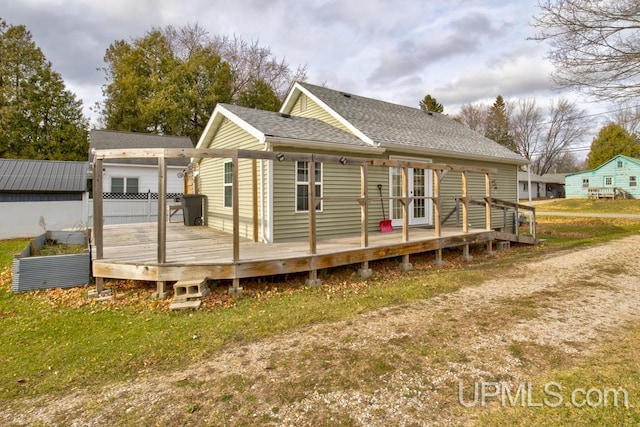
x=385 y=224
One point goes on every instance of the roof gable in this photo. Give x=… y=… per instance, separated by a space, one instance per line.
x=613 y=159
x=110 y=140
x=43 y=176
x=274 y=126
x=396 y=126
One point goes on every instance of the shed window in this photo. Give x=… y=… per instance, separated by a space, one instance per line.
x=302 y=186
x=608 y=180
x=632 y=181
x=619 y=163
x=228 y=184
x=124 y=185
x=585 y=182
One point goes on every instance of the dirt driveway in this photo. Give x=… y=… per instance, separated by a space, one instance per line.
x=401 y=365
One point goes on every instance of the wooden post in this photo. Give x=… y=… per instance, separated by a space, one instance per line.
x=516 y=224
x=437 y=176
x=487 y=209
x=312 y=206
x=465 y=203
x=405 y=203
x=98 y=227
x=313 y=274
x=436 y=203
x=235 y=288
x=161 y=292
x=235 y=200
x=365 y=271
x=254 y=176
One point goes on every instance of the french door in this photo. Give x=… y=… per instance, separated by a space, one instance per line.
x=420 y=210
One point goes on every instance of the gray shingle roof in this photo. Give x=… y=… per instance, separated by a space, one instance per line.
x=107 y=140
x=275 y=124
x=42 y=176
x=549 y=178
x=392 y=124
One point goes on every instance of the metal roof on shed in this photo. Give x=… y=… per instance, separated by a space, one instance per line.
x=43 y=175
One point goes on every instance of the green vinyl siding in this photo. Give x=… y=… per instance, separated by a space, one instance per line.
x=314 y=111
x=211 y=179
x=338 y=217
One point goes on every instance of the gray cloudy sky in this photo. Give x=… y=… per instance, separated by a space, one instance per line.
x=458 y=51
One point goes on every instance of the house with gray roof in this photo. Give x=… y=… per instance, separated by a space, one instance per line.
x=324 y=121
x=547 y=186
x=40 y=195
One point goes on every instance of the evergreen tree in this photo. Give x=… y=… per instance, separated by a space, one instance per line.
x=612 y=140
x=39 y=117
x=497 y=125
x=260 y=96
x=429 y=103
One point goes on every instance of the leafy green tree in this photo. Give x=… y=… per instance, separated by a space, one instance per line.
x=612 y=140
x=497 y=126
x=170 y=80
x=259 y=95
x=39 y=117
x=429 y=103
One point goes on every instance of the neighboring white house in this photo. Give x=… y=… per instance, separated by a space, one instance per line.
x=547 y=186
x=131 y=185
x=40 y=195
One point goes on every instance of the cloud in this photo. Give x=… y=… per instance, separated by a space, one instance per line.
x=432 y=44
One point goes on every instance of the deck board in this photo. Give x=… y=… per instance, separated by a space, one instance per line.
x=130 y=251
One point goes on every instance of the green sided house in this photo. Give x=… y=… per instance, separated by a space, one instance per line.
x=615 y=178
x=325 y=121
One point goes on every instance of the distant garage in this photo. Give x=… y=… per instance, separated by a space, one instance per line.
x=40 y=195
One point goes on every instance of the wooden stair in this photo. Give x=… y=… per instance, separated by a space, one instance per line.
x=188 y=294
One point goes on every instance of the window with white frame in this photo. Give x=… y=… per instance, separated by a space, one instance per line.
x=302 y=186
x=228 y=184
x=608 y=180
x=632 y=181
x=585 y=182
x=124 y=185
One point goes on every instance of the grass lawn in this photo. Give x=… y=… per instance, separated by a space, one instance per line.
x=623 y=206
x=53 y=341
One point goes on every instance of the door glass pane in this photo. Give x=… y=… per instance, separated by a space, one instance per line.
x=396 y=191
x=419 y=210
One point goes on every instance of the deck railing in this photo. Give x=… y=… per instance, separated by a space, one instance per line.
x=439 y=171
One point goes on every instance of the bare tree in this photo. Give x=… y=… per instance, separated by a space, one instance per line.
x=628 y=117
x=251 y=62
x=526 y=122
x=474 y=116
x=566 y=125
x=594 y=45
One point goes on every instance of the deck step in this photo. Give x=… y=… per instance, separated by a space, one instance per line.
x=185 y=290
x=185 y=305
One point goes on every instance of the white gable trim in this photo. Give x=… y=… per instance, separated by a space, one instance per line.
x=291 y=98
x=220 y=113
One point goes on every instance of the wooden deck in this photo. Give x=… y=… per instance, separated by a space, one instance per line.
x=192 y=253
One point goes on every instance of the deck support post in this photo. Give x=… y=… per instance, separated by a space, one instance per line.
x=365 y=272
x=438 y=260
x=313 y=280
x=235 y=201
x=235 y=290
x=161 y=291
x=405 y=265
x=490 y=250
x=405 y=204
x=98 y=228
x=254 y=196
x=466 y=256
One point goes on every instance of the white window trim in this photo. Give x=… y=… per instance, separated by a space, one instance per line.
x=633 y=182
x=124 y=183
x=227 y=184
x=297 y=183
x=608 y=178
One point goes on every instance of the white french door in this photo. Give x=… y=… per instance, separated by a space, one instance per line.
x=420 y=210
